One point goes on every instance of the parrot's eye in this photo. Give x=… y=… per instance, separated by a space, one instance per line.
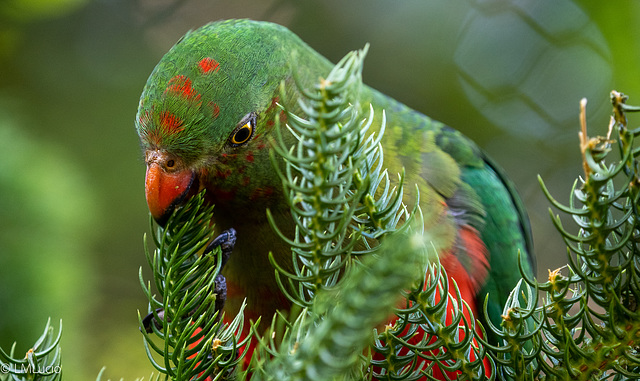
x=242 y=135
x=244 y=131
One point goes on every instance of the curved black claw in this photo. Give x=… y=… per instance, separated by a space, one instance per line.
x=150 y=319
x=226 y=240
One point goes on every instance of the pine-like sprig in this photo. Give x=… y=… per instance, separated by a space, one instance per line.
x=587 y=324
x=194 y=342
x=431 y=336
x=318 y=181
x=328 y=341
x=343 y=203
x=41 y=362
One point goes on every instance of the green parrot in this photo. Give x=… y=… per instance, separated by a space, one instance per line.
x=204 y=120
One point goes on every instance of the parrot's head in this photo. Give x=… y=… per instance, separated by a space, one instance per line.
x=208 y=108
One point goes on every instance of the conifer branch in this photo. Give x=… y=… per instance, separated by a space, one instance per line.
x=41 y=362
x=327 y=341
x=367 y=209
x=318 y=180
x=588 y=324
x=194 y=342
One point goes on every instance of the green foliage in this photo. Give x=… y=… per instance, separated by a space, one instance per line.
x=326 y=342
x=343 y=203
x=439 y=330
x=318 y=181
x=41 y=362
x=330 y=177
x=587 y=325
x=194 y=341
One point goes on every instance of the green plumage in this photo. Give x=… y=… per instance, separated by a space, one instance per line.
x=201 y=90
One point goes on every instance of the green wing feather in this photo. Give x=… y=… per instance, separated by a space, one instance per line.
x=506 y=234
x=451 y=168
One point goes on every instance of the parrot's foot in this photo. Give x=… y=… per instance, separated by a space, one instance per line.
x=226 y=240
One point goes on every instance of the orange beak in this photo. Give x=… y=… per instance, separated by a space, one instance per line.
x=166 y=189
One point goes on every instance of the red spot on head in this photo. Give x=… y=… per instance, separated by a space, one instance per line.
x=208 y=65
x=181 y=85
x=249 y=157
x=170 y=123
x=216 y=110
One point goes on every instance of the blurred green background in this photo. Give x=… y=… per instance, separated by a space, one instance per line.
x=509 y=74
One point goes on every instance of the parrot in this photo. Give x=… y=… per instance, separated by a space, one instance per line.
x=205 y=119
